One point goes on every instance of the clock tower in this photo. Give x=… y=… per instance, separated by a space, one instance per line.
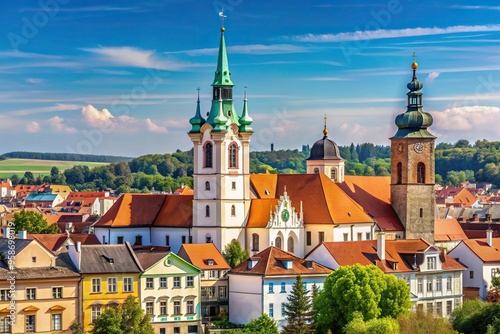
x=412 y=167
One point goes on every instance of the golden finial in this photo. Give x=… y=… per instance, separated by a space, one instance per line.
x=415 y=64
x=325 y=130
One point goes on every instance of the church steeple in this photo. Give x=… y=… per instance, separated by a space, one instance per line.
x=245 y=120
x=197 y=121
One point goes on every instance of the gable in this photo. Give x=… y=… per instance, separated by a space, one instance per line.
x=172 y=264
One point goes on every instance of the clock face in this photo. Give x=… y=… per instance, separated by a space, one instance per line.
x=419 y=147
x=285 y=215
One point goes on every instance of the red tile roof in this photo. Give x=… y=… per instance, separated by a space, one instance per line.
x=200 y=254
x=55 y=241
x=448 y=229
x=270 y=263
x=176 y=211
x=483 y=251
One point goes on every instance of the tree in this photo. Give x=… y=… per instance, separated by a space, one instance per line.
x=262 y=325
x=33 y=222
x=298 y=310
x=494 y=292
x=234 y=254
x=424 y=323
x=363 y=289
x=373 y=326
x=76 y=328
x=474 y=316
x=127 y=318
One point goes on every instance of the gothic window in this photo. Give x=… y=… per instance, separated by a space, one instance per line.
x=399 y=173
x=208 y=154
x=233 y=156
x=207 y=185
x=233 y=210
x=277 y=242
x=255 y=242
x=420 y=173
x=207 y=211
x=316 y=170
x=290 y=244
x=208 y=238
x=333 y=174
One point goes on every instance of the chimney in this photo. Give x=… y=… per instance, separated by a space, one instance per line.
x=381 y=245
x=22 y=234
x=489 y=236
x=79 y=246
x=75 y=254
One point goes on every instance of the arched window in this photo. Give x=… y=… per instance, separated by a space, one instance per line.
x=255 y=242
x=233 y=156
x=399 y=173
x=233 y=210
x=316 y=170
x=207 y=185
x=420 y=172
x=208 y=154
x=290 y=245
x=207 y=211
x=208 y=238
x=333 y=174
x=277 y=242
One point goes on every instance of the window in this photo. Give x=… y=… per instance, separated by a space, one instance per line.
x=96 y=312
x=150 y=283
x=431 y=263
x=308 y=238
x=177 y=282
x=163 y=331
x=271 y=310
x=368 y=236
x=183 y=239
x=177 y=330
x=127 y=284
x=190 y=307
x=163 y=307
x=430 y=308
x=420 y=285
x=213 y=274
x=290 y=244
x=471 y=274
x=360 y=236
x=321 y=236
x=4 y=294
x=233 y=211
x=399 y=173
x=5 y=325
x=283 y=287
x=192 y=329
x=112 y=284
x=333 y=174
x=222 y=292
x=30 y=324
x=31 y=293
x=233 y=158
x=449 y=306
x=277 y=242
x=271 y=287
x=189 y=281
x=33 y=259
x=429 y=284
x=207 y=211
x=495 y=272
x=346 y=236
x=233 y=185
x=208 y=238
x=208 y=154
x=163 y=282
x=448 y=283
x=167 y=240
x=96 y=285
x=207 y=185
x=119 y=239
x=421 y=213
x=190 y=239
x=138 y=240
x=439 y=283
x=255 y=242
x=420 y=173
x=316 y=170
x=283 y=308
x=150 y=308
x=439 y=309
x=177 y=307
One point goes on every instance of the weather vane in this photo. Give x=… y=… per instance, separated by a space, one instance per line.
x=222 y=16
x=414 y=57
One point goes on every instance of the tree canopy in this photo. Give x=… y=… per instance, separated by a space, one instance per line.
x=262 y=325
x=362 y=289
x=234 y=254
x=33 y=223
x=298 y=310
x=127 y=318
x=476 y=317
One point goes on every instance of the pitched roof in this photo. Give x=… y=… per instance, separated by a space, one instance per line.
x=448 y=229
x=176 y=211
x=147 y=259
x=55 y=241
x=41 y=197
x=270 y=263
x=109 y=259
x=403 y=252
x=373 y=193
x=323 y=200
x=259 y=212
x=483 y=251
x=184 y=190
x=200 y=254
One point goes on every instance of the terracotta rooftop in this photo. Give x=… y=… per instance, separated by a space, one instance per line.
x=200 y=255
x=176 y=211
x=483 y=251
x=55 y=241
x=271 y=260
x=448 y=229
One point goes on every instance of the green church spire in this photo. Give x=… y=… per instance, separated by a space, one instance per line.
x=220 y=120
x=222 y=74
x=245 y=120
x=197 y=121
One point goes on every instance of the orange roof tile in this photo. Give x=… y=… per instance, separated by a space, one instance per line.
x=448 y=229
x=483 y=251
x=55 y=241
x=199 y=254
x=465 y=197
x=260 y=209
x=373 y=193
x=185 y=190
x=270 y=263
x=176 y=211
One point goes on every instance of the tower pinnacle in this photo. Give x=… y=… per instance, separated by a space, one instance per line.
x=325 y=130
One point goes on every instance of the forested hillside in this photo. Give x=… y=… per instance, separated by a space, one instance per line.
x=64 y=157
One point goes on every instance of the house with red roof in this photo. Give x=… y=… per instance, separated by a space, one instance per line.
x=263 y=283
x=434 y=278
x=448 y=233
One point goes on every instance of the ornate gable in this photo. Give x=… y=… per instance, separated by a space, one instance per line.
x=284 y=215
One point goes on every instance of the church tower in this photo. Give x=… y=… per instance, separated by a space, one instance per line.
x=221 y=162
x=412 y=167
x=325 y=158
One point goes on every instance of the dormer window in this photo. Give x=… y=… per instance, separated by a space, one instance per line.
x=431 y=263
x=210 y=262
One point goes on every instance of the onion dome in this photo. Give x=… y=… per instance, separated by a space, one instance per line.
x=325 y=149
x=245 y=120
x=197 y=121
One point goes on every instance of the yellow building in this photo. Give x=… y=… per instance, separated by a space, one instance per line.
x=44 y=289
x=110 y=274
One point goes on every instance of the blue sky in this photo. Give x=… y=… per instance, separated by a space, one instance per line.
x=120 y=77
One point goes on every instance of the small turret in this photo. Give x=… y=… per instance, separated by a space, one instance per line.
x=197 y=121
x=245 y=120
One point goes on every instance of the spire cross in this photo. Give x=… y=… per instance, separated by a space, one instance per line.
x=414 y=57
x=222 y=16
x=245 y=93
x=325 y=120
x=198 y=89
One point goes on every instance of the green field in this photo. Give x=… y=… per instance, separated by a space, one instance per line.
x=38 y=167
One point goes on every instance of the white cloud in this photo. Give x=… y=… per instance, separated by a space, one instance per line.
x=393 y=33
x=57 y=124
x=33 y=127
x=473 y=118
x=476 y=7
x=254 y=49
x=94 y=117
x=432 y=76
x=56 y=107
x=155 y=128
